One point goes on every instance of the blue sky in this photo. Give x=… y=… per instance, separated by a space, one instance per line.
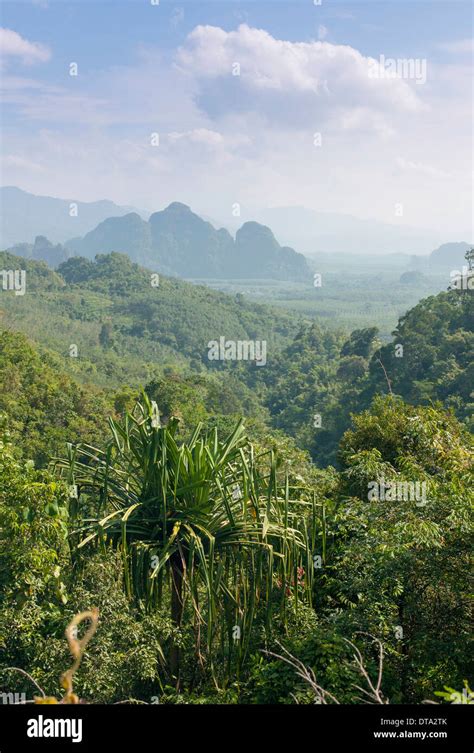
x=110 y=31
x=166 y=69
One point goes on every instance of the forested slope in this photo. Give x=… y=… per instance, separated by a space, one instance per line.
x=320 y=561
x=111 y=327
x=127 y=324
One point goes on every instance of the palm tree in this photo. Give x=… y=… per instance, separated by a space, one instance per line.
x=199 y=524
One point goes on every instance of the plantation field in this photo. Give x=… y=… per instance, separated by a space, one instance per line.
x=347 y=301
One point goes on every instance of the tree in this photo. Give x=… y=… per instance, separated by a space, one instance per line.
x=360 y=343
x=106 y=336
x=469 y=256
x=77 y=269
x=397 y=563
x=199 y=524
x=34 y=556
x=351 y=368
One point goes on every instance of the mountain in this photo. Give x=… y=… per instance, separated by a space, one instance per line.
x=450 y=255
x=258 y=254
x=189 y=245
x=128 y=234
x=177 y=241
x=23 y=216
x=332 y=232
x=42 y=250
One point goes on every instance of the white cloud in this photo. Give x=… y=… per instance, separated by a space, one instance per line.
x=14 y=45
x=249 y=139
x=362 y=119
x=287 y=81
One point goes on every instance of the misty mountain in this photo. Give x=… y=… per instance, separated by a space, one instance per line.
x=255 y=244
x=42 y=250
x=177 y=241
x=129 y=234
x=23 y=216
x=313 y=232
x=450 y=255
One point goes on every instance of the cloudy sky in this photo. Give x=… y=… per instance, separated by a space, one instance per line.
x=238 y=93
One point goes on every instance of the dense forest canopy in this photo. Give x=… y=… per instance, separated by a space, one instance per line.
x=218 y=512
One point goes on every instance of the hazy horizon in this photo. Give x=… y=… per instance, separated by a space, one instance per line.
x=237 y=108
x=308 y=231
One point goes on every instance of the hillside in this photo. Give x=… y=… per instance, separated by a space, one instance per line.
x=436 y=357
x=125 y=331
x=357 y=592
x=130 y=334
x=124 y=328
x=319 y=380
x=41 y=405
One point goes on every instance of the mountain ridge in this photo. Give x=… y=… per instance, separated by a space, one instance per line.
x=24 y=215
x=177 y=241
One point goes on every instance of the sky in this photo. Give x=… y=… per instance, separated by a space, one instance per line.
x=252 y=105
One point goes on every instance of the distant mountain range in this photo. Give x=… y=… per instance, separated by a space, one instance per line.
x=174 y=241
x=313 y=232
x=24 y=215
x=178 y=242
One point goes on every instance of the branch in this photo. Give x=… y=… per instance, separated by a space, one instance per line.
x=22 y=671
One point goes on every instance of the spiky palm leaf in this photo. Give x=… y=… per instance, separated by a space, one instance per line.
x=199 y=515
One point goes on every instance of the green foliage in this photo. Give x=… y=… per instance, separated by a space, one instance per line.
x=106 y=337
x=44 y=406
x=154 y=328
x=33 y=553
x=360 y=343
x=465 y=696
x=318 y=646
x=191 y=526
x=397 y=569
x=125 y=659
x=438 y=345
x=207 y=399
x=311 y=377
x=199 y=520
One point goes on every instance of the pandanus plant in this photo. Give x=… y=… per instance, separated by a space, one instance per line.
x=202 y=524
